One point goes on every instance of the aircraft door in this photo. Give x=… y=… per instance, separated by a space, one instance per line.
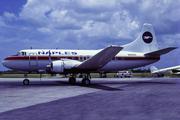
x=33 y=59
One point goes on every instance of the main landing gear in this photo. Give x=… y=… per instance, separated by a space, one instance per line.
x=85 y=80
x=72 y=80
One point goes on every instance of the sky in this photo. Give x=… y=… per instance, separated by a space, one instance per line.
x=87 y=24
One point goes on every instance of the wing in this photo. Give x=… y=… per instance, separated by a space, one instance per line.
x=169 y=69
x=100 y=59
x=162 y=51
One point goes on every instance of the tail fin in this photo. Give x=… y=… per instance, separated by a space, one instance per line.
x=153 y=69
x=145 y=42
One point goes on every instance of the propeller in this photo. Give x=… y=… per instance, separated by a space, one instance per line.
x=50 y=65
x=49 y=57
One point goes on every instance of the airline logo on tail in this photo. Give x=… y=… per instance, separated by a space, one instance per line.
x=147 y=37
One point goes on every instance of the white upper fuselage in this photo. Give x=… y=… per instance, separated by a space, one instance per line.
x=38 y=59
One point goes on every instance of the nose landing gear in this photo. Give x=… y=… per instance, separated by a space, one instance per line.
x=25 y=81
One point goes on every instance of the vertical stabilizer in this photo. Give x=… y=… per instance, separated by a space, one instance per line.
x=153 y=69
x=145 y=42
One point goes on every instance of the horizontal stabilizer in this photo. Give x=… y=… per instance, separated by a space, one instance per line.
x=100 y=59
x=162 y=51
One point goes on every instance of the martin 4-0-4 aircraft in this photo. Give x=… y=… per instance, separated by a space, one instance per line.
x=160 y=73
x=142 y=51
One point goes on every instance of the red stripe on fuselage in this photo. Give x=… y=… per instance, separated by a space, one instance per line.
x=74 y=58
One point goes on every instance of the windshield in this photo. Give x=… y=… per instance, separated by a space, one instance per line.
x=17 y=54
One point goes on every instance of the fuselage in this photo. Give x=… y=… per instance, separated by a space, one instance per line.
x=38 y=59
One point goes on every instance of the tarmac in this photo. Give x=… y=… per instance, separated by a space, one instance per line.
x=104 y=99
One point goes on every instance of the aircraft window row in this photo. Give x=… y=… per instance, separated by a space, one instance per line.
x=115 y=58
x=73 y=58
x=58 y=58
x=118 y=58
x=81 y=58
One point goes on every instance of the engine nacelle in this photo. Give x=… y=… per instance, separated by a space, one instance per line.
x=57 y=66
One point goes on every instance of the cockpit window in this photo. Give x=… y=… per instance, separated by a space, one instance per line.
x=21 y=54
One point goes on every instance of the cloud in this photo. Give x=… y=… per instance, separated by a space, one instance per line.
x=93 y=6
x=44 y=30
x=2 y=24
x=79 y=19
x=88 y=24
x=10 y=16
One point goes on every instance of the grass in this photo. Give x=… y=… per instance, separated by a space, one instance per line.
x=21 y=75
x=93 y=75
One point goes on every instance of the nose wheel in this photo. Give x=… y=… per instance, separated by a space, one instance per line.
x=26 y=82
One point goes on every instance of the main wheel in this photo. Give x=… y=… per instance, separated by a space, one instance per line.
x=26 y=82
x=86 y=81
x=72 y=80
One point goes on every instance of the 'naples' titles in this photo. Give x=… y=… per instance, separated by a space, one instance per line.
x=56 y=53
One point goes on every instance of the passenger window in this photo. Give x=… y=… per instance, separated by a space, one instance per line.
x=87 y=57
x=58 y=58
x=81 y=58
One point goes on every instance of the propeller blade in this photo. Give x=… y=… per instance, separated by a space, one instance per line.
x=50 y=63
x=49 y=57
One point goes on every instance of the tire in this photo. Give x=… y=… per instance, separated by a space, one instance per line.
x=26 y=82
x=72 y=80
x=86 y=81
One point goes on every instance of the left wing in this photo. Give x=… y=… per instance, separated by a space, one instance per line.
x=100 y=59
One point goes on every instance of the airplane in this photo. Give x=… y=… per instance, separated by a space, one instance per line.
x=160 y=73
x=142 y=51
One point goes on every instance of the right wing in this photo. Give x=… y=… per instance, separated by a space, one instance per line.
x=100 y=59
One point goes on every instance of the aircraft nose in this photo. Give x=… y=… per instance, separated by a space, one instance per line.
x=6 y=63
